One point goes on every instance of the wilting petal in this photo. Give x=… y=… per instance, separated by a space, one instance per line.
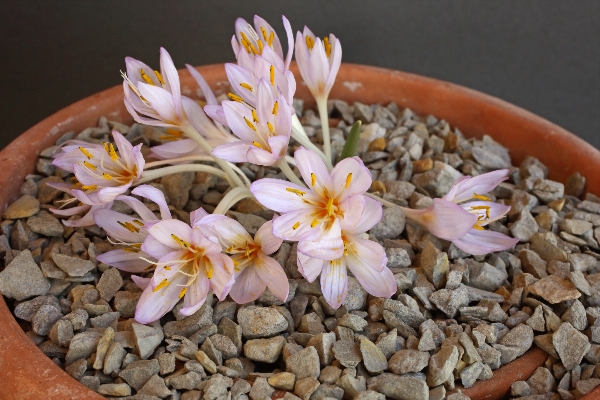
x=444 y=219
x=281 y=196
x=290 y=38
x=350 y=177
x=310 y=267
x=328 y=246
x=467 y=187
x=195 y=296
x=314 y=171
x=125 y=260
x=154 y=304
x=271 y=273
x=247 y=287
x=163 y=231
x=334 y=282
x=122 y=227
x=266 y=240
x=480 y=242
x=222 y=278
x=157 y=196
x=67 y=212
x=371 y=215
x=233 y=152
x=107 y=194
x=87 y=219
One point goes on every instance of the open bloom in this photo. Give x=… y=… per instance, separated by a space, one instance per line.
x=318 y=61
x=102 y=174
x=461 y=215
x=254 y=269
x=315 y=216
x=131 y=230
x=264 y=132
x=364 y=258
x=188 y=266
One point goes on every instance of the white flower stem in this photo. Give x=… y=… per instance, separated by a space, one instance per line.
x=190 y=132
x=174 y=169
x=322 y=107
x=382 y=201
x=300 y=136
x=175 y=160
x=287 y=170
x=232 y=197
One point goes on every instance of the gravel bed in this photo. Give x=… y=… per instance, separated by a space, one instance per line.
x=454 y=319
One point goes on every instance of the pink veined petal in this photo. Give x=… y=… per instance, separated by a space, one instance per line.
x=228 y=231
x=367 y=261
x=334 y=282
x=465 y=188
x=124 y=147
x=141 y=282
x=310 y=267
x=239 y=78
x=171 y=78
x=278 y=145
x=303 y=59
x=109 y=221
x=276 y=44
x=328 y=246
x=371 y=215
x=259 y=156
x=493 y=213
x=197 y=216
x=154 y=304
x=215 y=112
x=195 y=296
x=233 y=152
x=264 y=238
x=107 y=194
x=479 y=242
x=235 y=113
x=66 y=160
x=335 y=60
x=138 y=207
x=444 y=219
x=271 y=273
x=87 y=219
x=168 y=266
x=222 y=278
x=291 y=89
x=176 y=149
x=157 y=196
x=155 y=248
x=63 y=187
x=314 y=169
x=125 y=260
x=350 y=177
x=283 y=120
x=200 y=121
x=204 y=87
x=247 y=287
x=86 y=198
x=164 y=230
x=202 y=241
x=162 y=103
x=281 y=196
x=147 y=117
x=290 y=39
x=134 y=67
x=265 y=100
x=319 y=66
x=295 y=226
x=67 y=212
x=352 y=208
x=138 y=160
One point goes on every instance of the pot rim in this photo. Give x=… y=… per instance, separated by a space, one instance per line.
x=26 y=373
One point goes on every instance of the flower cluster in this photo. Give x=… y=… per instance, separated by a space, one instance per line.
x=328 y=212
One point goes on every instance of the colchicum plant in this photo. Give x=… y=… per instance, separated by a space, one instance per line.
x=328 y=212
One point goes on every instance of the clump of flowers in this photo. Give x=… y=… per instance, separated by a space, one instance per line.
x=328 y=212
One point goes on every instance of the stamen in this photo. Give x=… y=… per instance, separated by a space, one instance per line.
x=270 y=127
x=348 y=179
x=275 y=108
x=182 y=293
x=129 y=226
x=245 y=45
x=486 y=208
x=180 y=242
x=89 y=187
x=314 y=223
x=230 y=249
x=167 y=268
x=246 y=86
x=330 y=207
x=250 y=124
x=271 y=37
x=254 y=116
x=272 y=72
x=159 y=77
x=264 y=32
x=296 y=191
x=253 y=48
x=313 y=179
x=137 y=222
x=245 y=38
x=478 y=227
x=260 y=46
x=146 y=78
x=209 y=272
x=296 y=225
x=309 y=42
x=327 y=46
x=86 y=153
x=257 y=145
x=90 y=165
x=161 y=285
x=112 y=153
x=107 y=176
x=480 y=197
x=235 y=98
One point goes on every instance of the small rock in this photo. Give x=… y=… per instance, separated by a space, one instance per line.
x=541 y=381
x=554 y=290
x=22 y=278
x=115 y=389
x=449 y=301
x=304 y=364
x=354 y=322
x=146 y=339
x=82 y=346
x=257 y=322
x=403 y=387
x=25 y=206
x=570 y=344
x=261 y=390
x=103 y=345
x=114 y=358
x=155 y=387
x=519 y=389
x=206 y=362
x=73 y=266
x=283 y=381
x=46 y=224
x=441 y=365
x=137 y=373
x=405 y=361
x=264 y=350
x=373 y=358
x=525 y=227
x=391 y=224
x=109 y=284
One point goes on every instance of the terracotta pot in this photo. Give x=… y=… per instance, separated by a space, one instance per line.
x=26 y=373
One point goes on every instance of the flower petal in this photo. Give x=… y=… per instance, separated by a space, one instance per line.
x=157 y=196
x=125 y=148
x=371 y=215
x=161 y=101
x=350 y=177
x=334 y=282
x=115 y=224
x=176 y=149
x=465 y=188
x=264 y=238
x=125 y=260
x=310 y=267
x=296 y=226
x=314 y=171
x=163 y=231
x=480 y=242
x=352 y=209
x=259 y=156
x=241 y=82
x=171 y=78
x=444 y=219
x=222 y=278
x=247 y=287
x=228 y=231
x=154 y=304
x=195 y=296
x=233 y=152
x=367 y=261
x=197 y=216
x=237 y=114
x=271 y=273
x=328 y=246
x=155 y=248
x=486 y=211
x=215 y=112
x=281 y=196
x=141 y=282
x=204 y=87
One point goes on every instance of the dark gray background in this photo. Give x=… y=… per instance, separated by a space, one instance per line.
x=541 y=55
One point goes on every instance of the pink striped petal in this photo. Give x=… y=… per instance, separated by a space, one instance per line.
x=367 y=261
x=478 y=242
x=163 y=231
x=154 y=304
x=157 y=196
x=310 y=267
x=281 y=196
x=271 y=273
x=334 y=282
x=222 y=278
x=466 y=187
x=444 y=219
x=141 y=282
x=233 y=152
x=155 y=248
x=328 y=246
x=264 y=237
x=195 y=296
x=371 y=215
x=313 y=169
x=125 y=260
x=111 y=221
x=350 y=177
x=247 y=287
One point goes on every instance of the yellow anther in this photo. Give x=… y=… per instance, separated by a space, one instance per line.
x=180 y=242
x=313 y=179
x=90 y=165
x=112 y=153
x=107 y=176
x=245 y=46
x=209 y=272
x=244 y=38
x=230 y=249
x=348 y=179
x=89 y=187
x=260 y=46
x=254 y=50
x=146 y=78
x=161 y=285
x=314 y=223
x=182 y=293
x=248 y=251
x=478 y=227
x=86 y=153
x=234 y=97
x=275 y=108
x=254 y=116
x=264 y=32
x=271 y=37
x=250 y=125
x=486 y=208
x=272 y=72
x=310 y=42
x=480 y=197
x=167 y=268
x=106 y=148
x=172 y=134
x=129 y=226
x=296 y=225
x=257 y=145
x=271 y=129
x=330 y=207
x=246 y=86
x=137 y=222
x=327 y=46
x=159 y=77
x=295 y=191
x=130 y=249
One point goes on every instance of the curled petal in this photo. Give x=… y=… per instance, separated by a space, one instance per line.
x=479 y=242
x=334 y=282
x=204 y=87
x=296 y=226
x=141 y=282
x=486 y=211
x=171 y=78
x=259 y=156
x=157 y=196
x=197 y=216
x=466 y=187
x=352 y=209
x=444 y=219
x=216 y=113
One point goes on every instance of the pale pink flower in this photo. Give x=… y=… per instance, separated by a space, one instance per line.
x=102 y=174
x=130 y=230
x=455 y=218
x=364 y=258
x=264 y=132
x=189 y=266
x=254 y=269
x=315 y=216
x=318 y=61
